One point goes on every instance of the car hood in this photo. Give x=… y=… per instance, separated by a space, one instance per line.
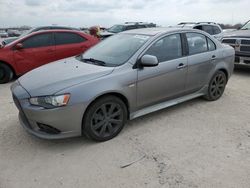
x=238 y=34
x=54 y=77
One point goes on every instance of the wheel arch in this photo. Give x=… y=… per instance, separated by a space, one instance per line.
x=225 y=72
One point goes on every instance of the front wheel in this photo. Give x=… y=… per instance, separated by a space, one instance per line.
x=105 y=118
x=6 y=73
x=217 y=86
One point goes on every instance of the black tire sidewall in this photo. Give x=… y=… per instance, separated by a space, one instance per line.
x=86 y=126
x=8 y=73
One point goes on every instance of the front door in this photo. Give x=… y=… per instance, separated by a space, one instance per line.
x=168 y=79
x=37 y=50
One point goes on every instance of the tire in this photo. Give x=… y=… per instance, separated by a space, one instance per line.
x=105 y=118
x=6 y=74
x=216 y=86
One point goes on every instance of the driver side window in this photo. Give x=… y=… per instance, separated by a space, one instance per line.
x=167 y=48
x=40 y=40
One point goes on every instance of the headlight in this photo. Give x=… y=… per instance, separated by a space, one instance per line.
x=50 y=101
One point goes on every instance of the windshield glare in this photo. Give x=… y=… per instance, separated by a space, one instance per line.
x=116 y=29
x=117 y=49
x=246 y=26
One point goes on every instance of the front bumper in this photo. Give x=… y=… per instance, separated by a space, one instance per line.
x=66 y=120
x=242 y=58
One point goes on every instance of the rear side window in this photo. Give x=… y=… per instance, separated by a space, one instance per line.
x=208 y=29
x=141 y=26
x=167 y=48
x=41 y=40
x=68 y=38
x=131 y=27
x=216 y=30
x=197 y=43
x=211 y=45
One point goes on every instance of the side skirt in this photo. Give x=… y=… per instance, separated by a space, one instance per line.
x=166 y=104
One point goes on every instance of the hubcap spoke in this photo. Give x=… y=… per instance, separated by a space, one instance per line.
x=116 y=114
x=107 y=119
x=103 y=130
x=98 y=125
x=112 y=108
x=98 y=117
x=104 y=110
x=115 y=121
x=110 y=128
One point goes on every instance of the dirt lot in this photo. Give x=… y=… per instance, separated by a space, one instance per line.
x=195 y=144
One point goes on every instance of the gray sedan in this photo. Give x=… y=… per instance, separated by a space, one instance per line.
x=126 y=76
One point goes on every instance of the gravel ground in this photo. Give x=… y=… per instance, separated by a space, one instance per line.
x=194 y=144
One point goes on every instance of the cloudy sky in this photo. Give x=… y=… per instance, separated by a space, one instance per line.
x=108 y=12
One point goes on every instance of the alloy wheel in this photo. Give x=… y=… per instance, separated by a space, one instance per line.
x=218 y=86
x=107 y=119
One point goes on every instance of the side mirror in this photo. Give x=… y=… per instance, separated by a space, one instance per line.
x=19 y=46
x=149 y=61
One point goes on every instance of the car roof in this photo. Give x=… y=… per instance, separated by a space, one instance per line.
x=134 y=23
x=193 y=24
x=157 y=30
x=56 y=30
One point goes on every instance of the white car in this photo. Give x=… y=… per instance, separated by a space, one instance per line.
x=3 y=34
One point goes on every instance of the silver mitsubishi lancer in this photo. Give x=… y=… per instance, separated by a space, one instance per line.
x=123 y=77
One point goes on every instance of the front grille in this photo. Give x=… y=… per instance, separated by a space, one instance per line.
x=229 y=41
x=245 y=48
x=247 y=42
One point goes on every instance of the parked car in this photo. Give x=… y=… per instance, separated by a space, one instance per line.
x=240 y=41
x=3 y=34
x=43 y=28
x=9 y=40
x=212 y=28
x=40 y=48
x=13 y=33
x=124 y=27
x=123 y=77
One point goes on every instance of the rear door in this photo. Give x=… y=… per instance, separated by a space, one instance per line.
x=201 y=60
x=168 y=79
x=69 y=44
x=37 y=50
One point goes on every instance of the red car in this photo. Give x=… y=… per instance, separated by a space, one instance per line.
x=40 y=48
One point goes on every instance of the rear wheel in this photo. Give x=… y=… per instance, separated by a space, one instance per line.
x=6 y=74
x=217 y=86
x=105 y=118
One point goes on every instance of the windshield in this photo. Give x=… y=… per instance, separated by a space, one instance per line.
x=117 y=49
x=116 y=29
x=246 y=26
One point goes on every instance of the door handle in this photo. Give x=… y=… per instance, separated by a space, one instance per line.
x=213 y=57
x=181 y=66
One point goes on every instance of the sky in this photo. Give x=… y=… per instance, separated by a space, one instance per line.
x=85 y=13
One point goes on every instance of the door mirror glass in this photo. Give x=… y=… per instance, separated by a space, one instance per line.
x=149 y=61
x=19 y=46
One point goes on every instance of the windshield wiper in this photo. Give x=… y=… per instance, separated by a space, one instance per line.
x=95 y=61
